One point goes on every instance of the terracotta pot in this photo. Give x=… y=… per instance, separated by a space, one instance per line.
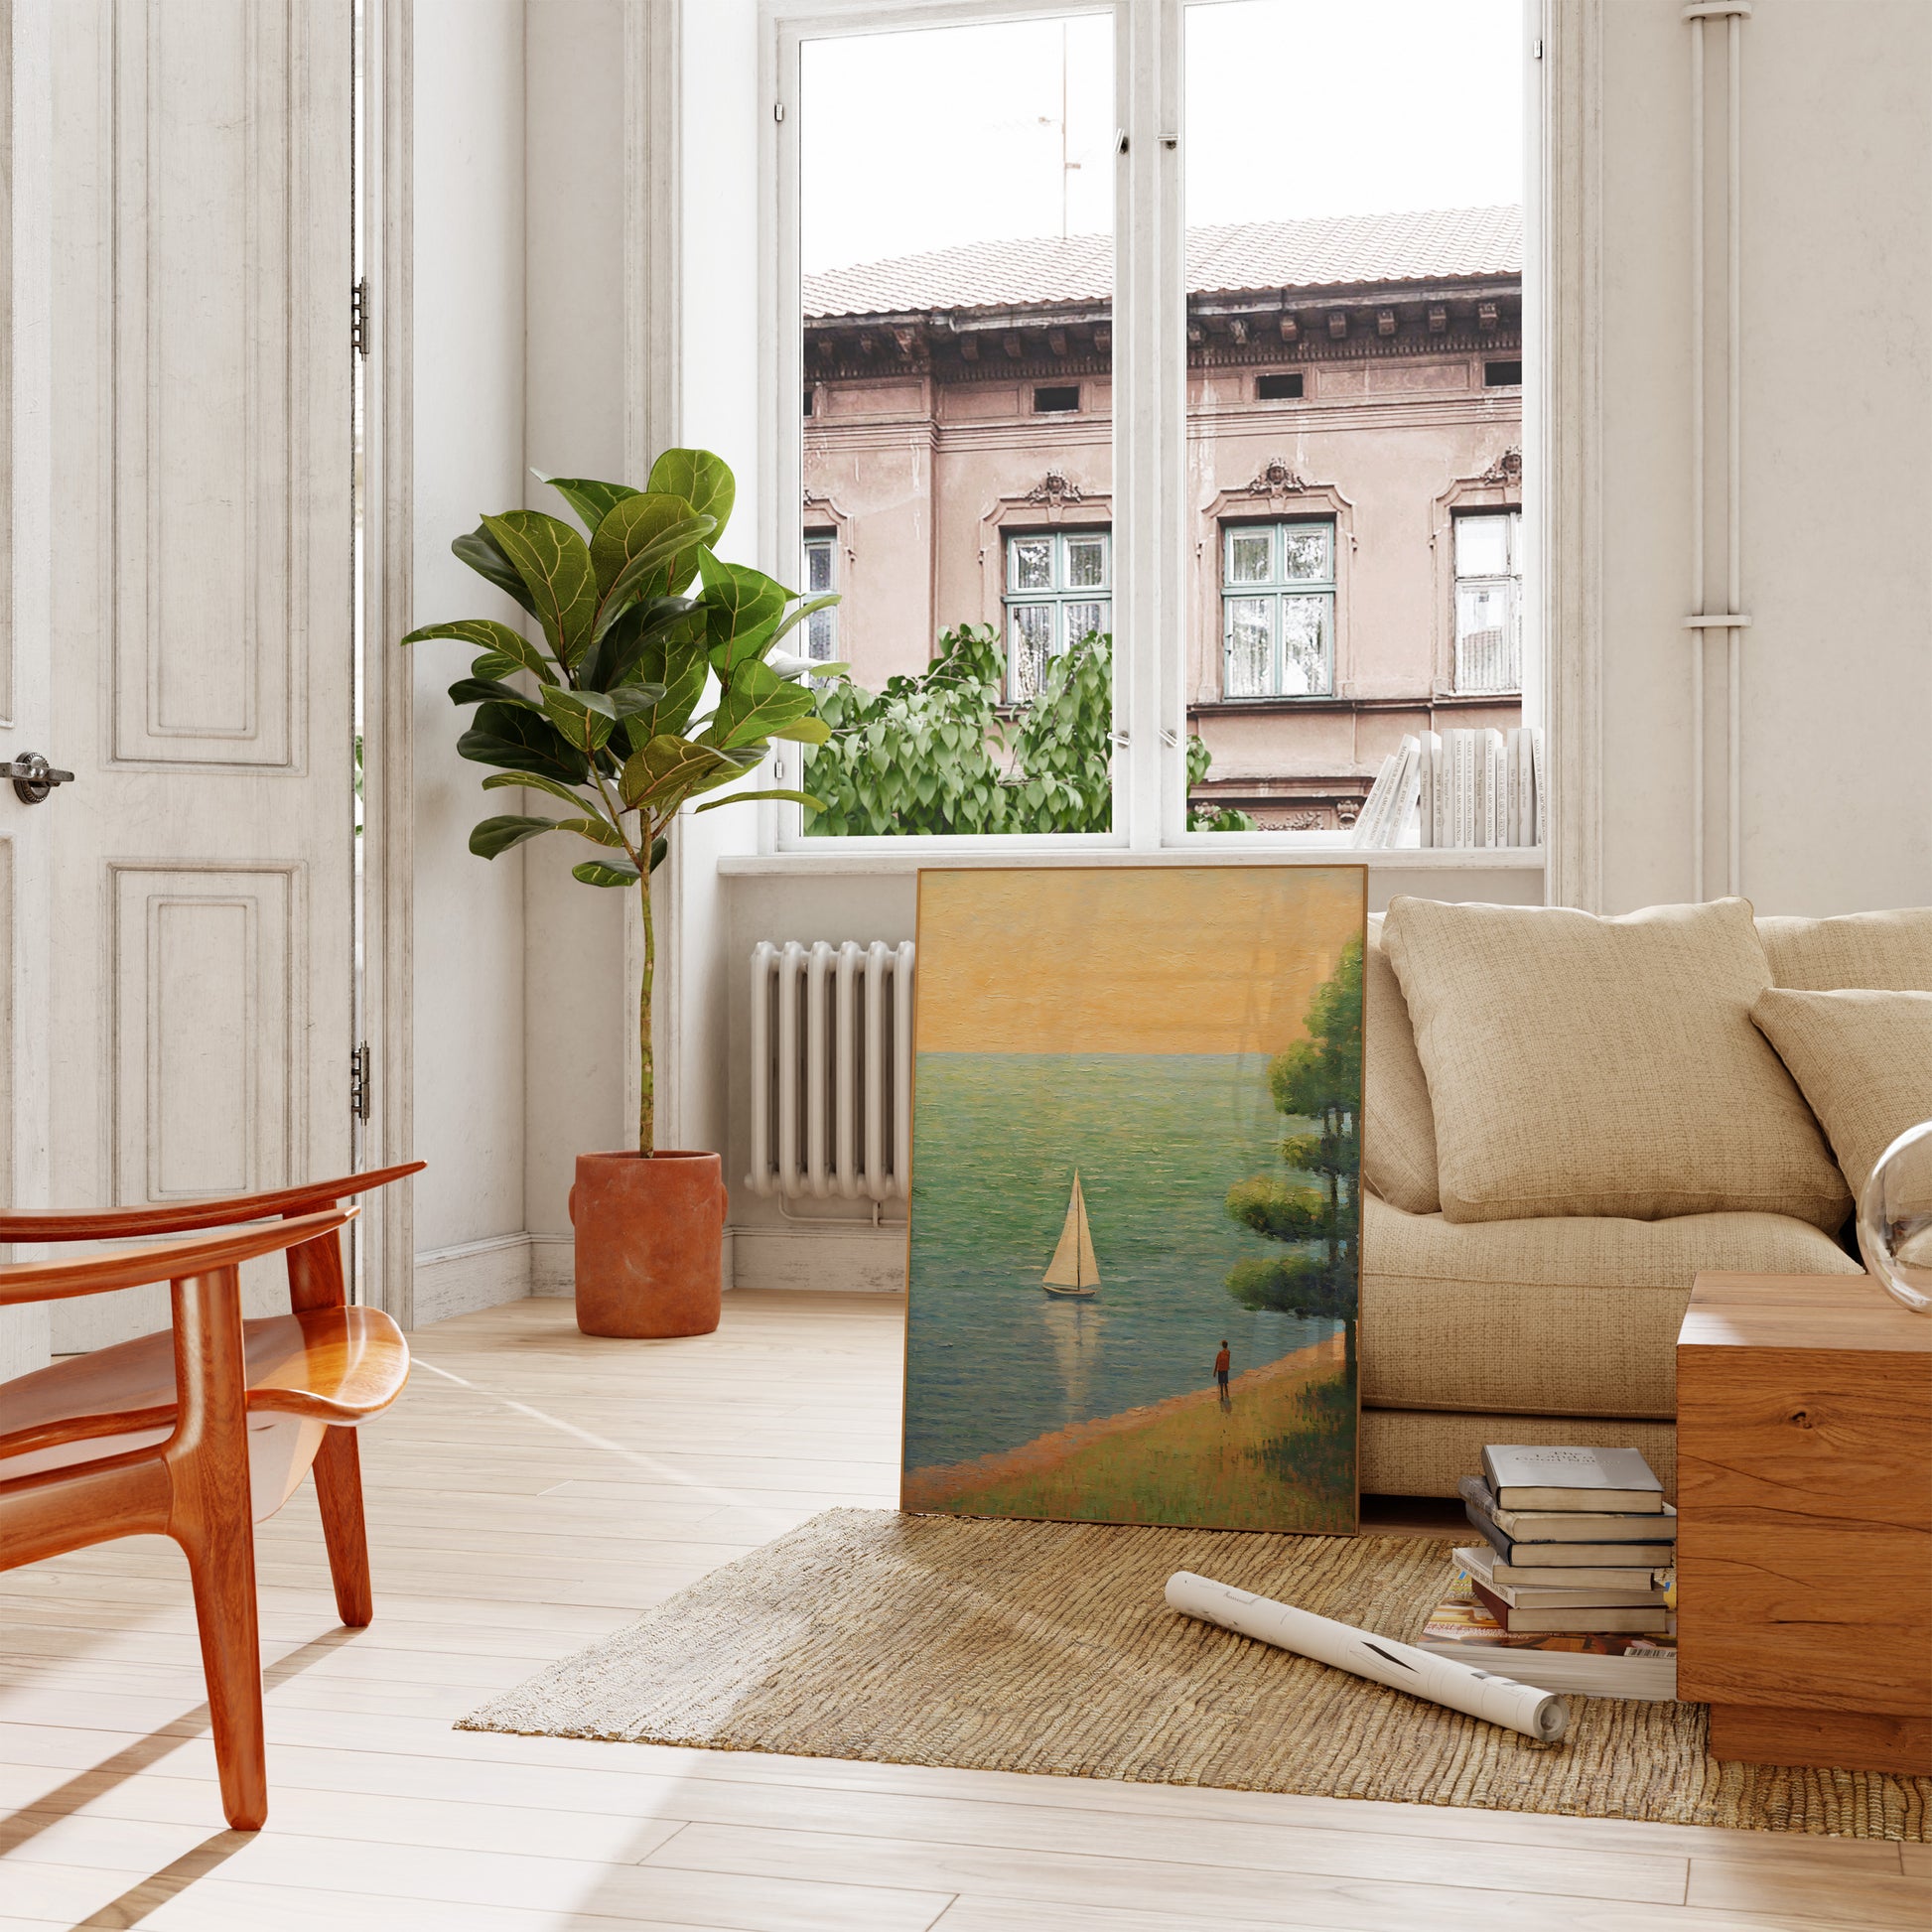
x=649 y=1242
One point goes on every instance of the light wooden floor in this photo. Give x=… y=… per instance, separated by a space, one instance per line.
x=531 y=1492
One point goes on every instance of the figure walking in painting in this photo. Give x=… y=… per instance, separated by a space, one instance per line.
x=1222 y=1364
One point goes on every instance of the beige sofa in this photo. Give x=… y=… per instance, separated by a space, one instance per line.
x=1560 y=1328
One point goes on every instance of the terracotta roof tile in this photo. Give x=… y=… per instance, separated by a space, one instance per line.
x=1429 y=245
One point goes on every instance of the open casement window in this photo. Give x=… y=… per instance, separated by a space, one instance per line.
x=1278 y=608
x=1488 y=601
x=1058 y=593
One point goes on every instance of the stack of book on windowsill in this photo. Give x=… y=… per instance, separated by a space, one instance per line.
x=1575 y=1575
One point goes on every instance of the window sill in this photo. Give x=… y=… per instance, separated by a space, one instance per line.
x=859 y=859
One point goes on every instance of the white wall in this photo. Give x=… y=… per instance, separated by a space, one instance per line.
x=1836 y=427
x=468 y=401
x=574 y=405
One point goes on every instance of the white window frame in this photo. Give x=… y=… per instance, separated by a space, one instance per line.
x=1151 y=562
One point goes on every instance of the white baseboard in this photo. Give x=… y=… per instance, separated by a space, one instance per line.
x=475 y=1275
x=553 y=1264
x=848 y=1259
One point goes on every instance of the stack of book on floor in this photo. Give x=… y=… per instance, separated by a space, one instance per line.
x=1575 y=1575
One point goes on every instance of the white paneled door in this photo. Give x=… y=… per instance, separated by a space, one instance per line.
x=199 y=1007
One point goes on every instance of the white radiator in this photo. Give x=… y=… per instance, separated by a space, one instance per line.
x=832 y=1069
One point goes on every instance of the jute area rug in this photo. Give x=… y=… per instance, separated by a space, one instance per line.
x=1046 y=1647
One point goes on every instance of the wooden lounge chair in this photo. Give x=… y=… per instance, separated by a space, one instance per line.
x=200 y=1431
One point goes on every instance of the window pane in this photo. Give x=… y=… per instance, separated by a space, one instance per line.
x=1487 y=652
x=1383 y=276
x=1030 y=563
x=1086 y=563
x=821 y=636
x=1304 y=645
x=1083 y=620
x=1481 y=546
x=818 y=566
x=1250 y=556
x=956 y=249
x=1251 y=652
x=1031 y=644
x=1307 y=553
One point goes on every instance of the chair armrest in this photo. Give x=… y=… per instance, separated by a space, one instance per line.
x=57 y=1280
x=181 y=1217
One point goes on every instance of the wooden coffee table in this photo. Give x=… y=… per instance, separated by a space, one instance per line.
x=1804 y=1497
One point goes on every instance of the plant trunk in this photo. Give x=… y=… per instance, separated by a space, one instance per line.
x=647 y=1063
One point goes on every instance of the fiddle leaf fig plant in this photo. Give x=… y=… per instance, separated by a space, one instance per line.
x=642 y=628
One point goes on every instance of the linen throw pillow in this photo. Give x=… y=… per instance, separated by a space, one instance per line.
x=1855 y=949
x=1585 y=1066
x=1398 y=1128
x=1864 y=1061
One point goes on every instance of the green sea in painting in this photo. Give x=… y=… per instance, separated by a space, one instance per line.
x=992 y=1363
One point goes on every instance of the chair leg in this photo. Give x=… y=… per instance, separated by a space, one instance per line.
x=221 y=1566
x=210 y=1517
x=338 y=1489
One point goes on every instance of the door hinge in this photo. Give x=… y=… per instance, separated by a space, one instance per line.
x=360 y=1083
x=359 y=317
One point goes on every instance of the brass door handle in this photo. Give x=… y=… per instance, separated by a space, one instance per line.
x=33 y=777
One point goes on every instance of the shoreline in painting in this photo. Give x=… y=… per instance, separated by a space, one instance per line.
x=1187 y=1460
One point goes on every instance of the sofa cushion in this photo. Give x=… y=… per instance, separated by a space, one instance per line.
x=1585 y=1066
x=1560 y=1317
x=1877 y=949
x=1398 y=1128
x=1864 y=1060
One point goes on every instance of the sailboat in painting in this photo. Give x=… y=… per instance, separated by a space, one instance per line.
x=1073 y=1274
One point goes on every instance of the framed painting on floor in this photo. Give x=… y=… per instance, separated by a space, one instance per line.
x=1133 y=1258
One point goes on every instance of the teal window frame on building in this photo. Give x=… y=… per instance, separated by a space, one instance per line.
x=1059 y=586
x=1278 y=608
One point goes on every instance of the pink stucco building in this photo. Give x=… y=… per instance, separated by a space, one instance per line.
x=1354 y=478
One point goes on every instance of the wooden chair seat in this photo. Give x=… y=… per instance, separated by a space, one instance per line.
x=337 y=1365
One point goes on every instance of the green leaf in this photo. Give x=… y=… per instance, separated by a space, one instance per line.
x=554 y=563
x=485 y=690
x=755 y=704
x=599 y=830
x=659 y=847
x=667 y=648
x=804 y=730
x=538 y=782
x=522 y=741
x=592 y=501
x=632 y=526
x=649 y=571
x=606 y=872
x=585 y=718
x=742 y=610
x=746 y=797
x=704 y=481
x=497 y=835
x=797 y=617
x=496 y=638
x=480 y=550
x=669 y=769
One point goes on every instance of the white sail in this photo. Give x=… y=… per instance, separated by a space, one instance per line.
x=1073 y=1264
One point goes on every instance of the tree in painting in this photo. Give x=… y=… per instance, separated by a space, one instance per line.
x=1318 y=1081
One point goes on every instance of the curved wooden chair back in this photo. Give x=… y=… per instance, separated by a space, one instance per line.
x=326 y=1365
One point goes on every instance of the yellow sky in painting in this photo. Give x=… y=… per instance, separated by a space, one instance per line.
x=1143 y=959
